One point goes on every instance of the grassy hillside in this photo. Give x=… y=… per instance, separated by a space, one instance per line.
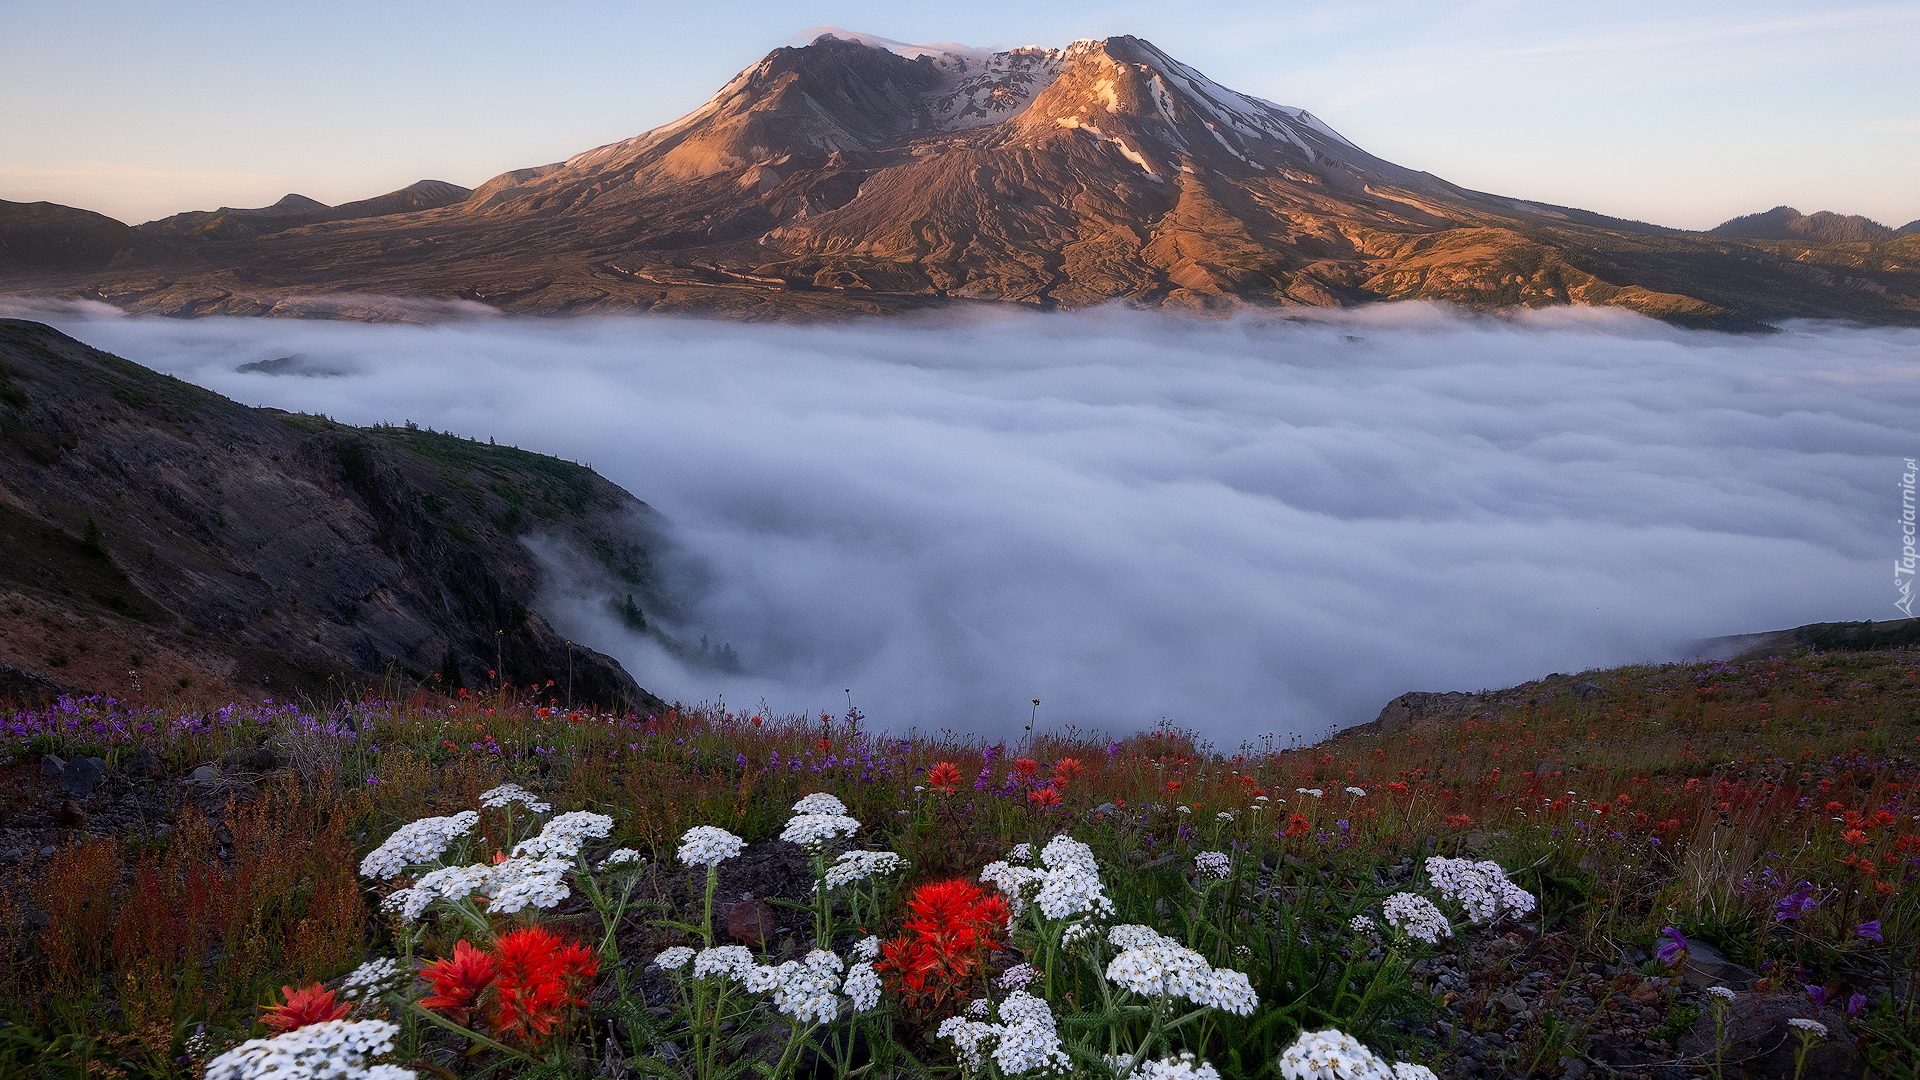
x=1763 y=811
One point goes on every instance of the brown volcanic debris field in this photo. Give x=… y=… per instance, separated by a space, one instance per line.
x=840 y=177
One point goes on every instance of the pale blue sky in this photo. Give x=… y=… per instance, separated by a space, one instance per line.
x=1678 y=112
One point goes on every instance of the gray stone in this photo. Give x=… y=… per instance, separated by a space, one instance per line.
x=142 y=762
x=81 y=775
x=51 y=765
x=205 y=774
x=1572 y=1068
x=1512 y=1002
x=255 y=759
x=1586 y=689
x=1708 y=966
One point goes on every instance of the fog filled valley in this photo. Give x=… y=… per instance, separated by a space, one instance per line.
x=1245 y=525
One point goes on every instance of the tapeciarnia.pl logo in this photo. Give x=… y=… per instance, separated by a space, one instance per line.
x=1903 y=567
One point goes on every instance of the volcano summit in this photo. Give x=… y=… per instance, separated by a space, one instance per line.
x=856 y=173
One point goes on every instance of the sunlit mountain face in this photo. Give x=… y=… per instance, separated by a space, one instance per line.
x=857 y=174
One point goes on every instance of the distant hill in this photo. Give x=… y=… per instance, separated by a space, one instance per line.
x=47 y=236
x=158 y=535
x=1786 y=223
x=293 y=211
x=860 y=174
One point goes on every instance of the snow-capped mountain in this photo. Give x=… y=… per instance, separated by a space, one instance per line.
x=855 y=172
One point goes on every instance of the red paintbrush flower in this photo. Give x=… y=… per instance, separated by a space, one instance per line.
x=1025 y=767
x=1046 y=796
x=950 y=927
x=1065 y=770
x=1299 y=825
x=944 y=777
x=459 y=981
x=309 y=1005
x=538 y=977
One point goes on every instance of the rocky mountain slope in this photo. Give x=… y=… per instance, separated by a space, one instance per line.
x=156 y=536
x=861 y=175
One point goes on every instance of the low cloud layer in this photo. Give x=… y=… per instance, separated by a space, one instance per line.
x=1245 y=525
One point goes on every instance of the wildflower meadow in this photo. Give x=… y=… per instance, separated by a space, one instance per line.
x=1683 y=870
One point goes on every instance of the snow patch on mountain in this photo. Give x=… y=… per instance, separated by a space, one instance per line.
x=991 y=90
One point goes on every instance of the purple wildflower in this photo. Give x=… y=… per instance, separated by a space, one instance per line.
x=1797 y=904
x=1670 y=950
x=1817 y=995
x=1869 y=930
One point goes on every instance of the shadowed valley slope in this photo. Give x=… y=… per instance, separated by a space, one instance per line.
x=154 y=535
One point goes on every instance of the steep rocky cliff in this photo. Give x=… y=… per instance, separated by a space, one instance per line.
x=154 y=535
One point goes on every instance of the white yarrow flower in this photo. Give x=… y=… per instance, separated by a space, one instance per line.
x=1135 y=936
x=1331 y=1055
x=806 y=988
x=563 y=836
x=968 y=1037
x=1153 y=965
x=867 y=948
x=455 y=882
x=324 y=1051
x=1213 y=863
x=1816 y=1027
x=862 y=987
x=407 y=903
x=1357 y=792
x=1182 y=1066
x=1481 y=888
x=1025 y=1040
x=854 y=866
x=625 y=856
x=814 y=831
x=1415 y=916
x=1016 y=883
x=373 y=978
x=520 y=883
x=1721 y=992
x=507 y=794
x=1070 y=881
x=1029 y=1040
x=709 y=845
x=416 y=844
x=724 y=961
x=1078 y=934
x=675 y=958
x=819 y=803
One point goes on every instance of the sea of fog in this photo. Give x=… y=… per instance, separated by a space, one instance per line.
x=1245 y=525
